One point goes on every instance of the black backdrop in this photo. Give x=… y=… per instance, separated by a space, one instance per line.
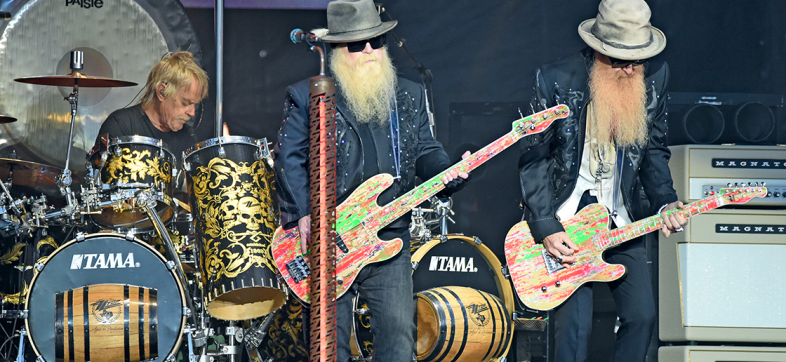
x=486 y=51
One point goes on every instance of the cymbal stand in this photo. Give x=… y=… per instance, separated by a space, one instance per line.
x=64 y=180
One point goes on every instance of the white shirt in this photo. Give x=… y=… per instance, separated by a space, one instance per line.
x=586 y=181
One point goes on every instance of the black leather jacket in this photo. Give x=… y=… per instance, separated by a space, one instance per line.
x=549 y=166
x=421 y=155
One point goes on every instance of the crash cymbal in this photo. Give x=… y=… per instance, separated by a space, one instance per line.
x=33 y=179
x=69 y=80
x=6 y=119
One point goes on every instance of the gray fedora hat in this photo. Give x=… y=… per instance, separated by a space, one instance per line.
x=622 y=30
x=353 y=20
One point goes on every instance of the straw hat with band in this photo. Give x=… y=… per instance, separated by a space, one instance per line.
x=622 y=30
x=354 y=20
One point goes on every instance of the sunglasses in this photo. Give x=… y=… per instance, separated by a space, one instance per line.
x=376 y=42
x=621 y=63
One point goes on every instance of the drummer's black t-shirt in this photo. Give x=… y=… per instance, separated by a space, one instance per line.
x=133 y=121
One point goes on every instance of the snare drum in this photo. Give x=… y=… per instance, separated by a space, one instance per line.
x=232 y=190
x=105 y=297
x=126 y=165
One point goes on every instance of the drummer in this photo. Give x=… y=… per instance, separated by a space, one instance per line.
x=174 y=87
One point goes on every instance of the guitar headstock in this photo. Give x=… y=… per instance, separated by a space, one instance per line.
x=538 y=122
x=741 y=195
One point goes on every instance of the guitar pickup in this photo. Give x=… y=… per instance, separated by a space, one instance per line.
x=341 y=245
x=552 y=265
x=298 y=269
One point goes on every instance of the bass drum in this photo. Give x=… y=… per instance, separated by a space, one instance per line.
x=450 y=260
x=461 y=261
x=105 y=297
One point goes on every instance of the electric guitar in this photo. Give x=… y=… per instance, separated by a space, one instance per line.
x=359 y=217
x=542 y=283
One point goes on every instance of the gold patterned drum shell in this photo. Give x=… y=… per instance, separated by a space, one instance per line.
x=129 y=164
x=231 y=189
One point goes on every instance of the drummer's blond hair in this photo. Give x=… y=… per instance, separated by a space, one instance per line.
x=175 y=70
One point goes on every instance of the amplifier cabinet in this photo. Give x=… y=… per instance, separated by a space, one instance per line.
x=722 y=279
x=721 y=354
x=699 y=170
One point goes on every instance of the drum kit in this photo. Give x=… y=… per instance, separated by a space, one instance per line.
x=137 y=275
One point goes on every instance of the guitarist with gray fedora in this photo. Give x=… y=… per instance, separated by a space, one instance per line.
x=612 y=145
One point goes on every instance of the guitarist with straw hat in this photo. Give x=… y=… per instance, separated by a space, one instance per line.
x=381 y=127
x=611 y=146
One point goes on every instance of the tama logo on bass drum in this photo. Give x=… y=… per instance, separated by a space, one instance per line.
x=103 y=261
x=459 y=264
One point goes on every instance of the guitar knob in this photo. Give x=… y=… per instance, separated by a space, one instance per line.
x=339 y=281
x=557 y=283
x=543 y=288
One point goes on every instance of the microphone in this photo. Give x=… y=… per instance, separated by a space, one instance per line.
x=299 y=35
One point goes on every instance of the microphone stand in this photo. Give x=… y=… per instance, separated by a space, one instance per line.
x=426 y=78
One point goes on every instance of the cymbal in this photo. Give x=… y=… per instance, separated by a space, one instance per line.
x=68 y=80
x=33 y=179
x=6 y=119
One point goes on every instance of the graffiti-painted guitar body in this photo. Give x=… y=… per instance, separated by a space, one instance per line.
x=543 y=284
x=359 y=217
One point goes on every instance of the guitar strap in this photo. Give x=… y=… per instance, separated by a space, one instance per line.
x=395 y=139
x=617 y=181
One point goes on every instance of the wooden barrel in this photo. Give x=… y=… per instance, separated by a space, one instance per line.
x=106 y=322
x=461 y=324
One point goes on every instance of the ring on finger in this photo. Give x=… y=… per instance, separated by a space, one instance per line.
x=679 y=229
x=559 y=258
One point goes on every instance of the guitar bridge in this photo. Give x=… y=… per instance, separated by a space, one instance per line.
x=552 y=265
x=298 y=269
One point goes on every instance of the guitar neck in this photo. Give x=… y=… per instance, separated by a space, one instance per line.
x=534 y=123
x=645 y=226
x=424 y=191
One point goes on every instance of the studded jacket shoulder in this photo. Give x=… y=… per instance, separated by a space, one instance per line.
x=421 y=155
x=549 y=165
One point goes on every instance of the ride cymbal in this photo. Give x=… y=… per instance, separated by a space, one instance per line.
x=69 y=80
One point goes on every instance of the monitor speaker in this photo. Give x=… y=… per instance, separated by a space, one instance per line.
x=720 y=118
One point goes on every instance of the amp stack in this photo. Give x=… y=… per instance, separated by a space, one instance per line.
x=721 y=295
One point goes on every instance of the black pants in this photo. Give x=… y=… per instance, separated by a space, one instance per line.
x=635 y=307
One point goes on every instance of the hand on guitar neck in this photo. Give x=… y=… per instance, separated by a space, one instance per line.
x=672 y=223
x=304 y=224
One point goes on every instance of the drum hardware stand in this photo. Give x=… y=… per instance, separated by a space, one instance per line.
x=234 y=334
x=145 y=201
x=255 y=334
x=64 y=180
x=444 y=211
x=20 y=357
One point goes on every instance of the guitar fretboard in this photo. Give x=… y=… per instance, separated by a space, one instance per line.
x=535 y=123
x=633 y=230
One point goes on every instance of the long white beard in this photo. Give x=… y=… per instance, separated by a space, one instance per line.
x=368 y=87
x=618 y=105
